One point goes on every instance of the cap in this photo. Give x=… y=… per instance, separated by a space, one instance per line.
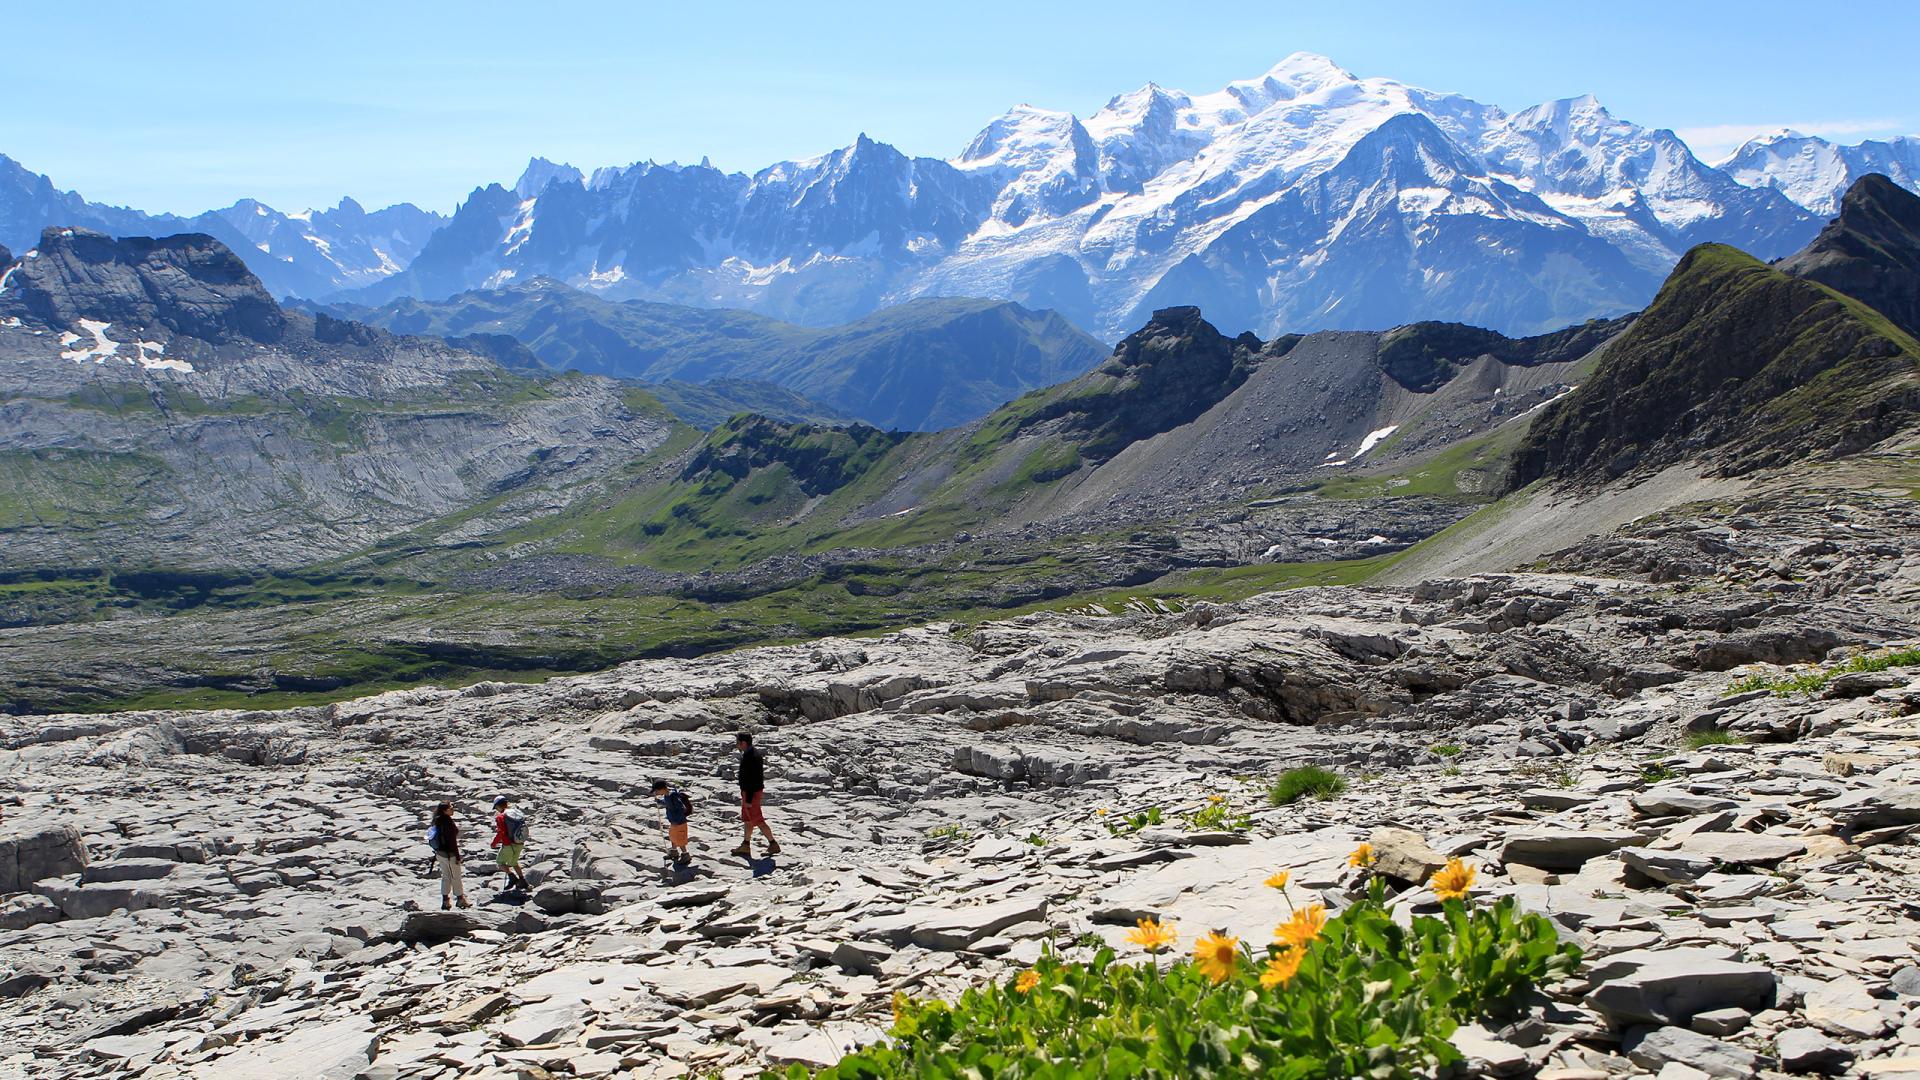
x=501 y=801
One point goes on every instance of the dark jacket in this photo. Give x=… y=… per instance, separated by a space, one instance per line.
x=753 y=770
x=677 y=805
x=446 y=836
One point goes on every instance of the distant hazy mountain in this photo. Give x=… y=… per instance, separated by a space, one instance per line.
x=312 y=253
x=921 y=365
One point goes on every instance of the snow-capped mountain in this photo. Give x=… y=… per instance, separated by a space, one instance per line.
x=1306 y=198
x=1303 y=199
x=1815 y=173
x=313 y=253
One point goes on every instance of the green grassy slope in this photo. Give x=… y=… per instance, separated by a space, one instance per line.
x=1737 y=360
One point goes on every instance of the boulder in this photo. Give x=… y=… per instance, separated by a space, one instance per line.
x=1403 y=854
x=27 y=909
x=1875 y=808
x=570 y=897
x=1653 y=1048
x=1804 y=1050
x=1669 y=986
x=1666 y=867
x=27 y=856
x=437 y=927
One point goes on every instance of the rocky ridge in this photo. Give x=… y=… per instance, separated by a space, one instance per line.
x=229 y=894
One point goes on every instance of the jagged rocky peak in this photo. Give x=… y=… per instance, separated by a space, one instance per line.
x=191 y=285
x=1871 y=251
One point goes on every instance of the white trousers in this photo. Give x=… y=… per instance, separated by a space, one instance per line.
x=450 y=876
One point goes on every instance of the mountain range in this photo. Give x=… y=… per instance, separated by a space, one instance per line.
x=1307 y=198
x=347 y=503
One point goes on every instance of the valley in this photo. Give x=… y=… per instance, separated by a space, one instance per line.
x=1318 y=579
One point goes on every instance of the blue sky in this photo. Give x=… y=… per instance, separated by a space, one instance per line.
x=189 y=105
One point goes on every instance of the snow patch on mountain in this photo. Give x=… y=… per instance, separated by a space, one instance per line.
x=149 y=355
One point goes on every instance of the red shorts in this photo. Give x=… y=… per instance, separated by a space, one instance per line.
x=750 y=809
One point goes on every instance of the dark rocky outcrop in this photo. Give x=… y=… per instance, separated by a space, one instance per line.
x=189 y=284
x=1871 y=251
x=1161 y=376
x=1736 y=364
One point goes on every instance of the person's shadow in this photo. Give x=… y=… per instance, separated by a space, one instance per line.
x=681 y=873
x=761 y=867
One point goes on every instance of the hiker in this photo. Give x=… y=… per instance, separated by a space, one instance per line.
x=510 y=837
x=753 y=783
x=444 y=837
x=677 y=805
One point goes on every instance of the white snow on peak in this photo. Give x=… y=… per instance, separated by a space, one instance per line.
x=149 y=355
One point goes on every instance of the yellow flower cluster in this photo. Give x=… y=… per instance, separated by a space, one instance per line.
x=1362 y=856
x=1452 y=881
x=1152 y=935
x=1027 y=981
x=1216 y=955
x=1304 y=928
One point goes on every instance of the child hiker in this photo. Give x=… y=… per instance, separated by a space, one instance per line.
x=510 y=837
x=677 y=805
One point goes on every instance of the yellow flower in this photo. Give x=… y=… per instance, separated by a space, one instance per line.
x=1152 y=935
x=1278 y=880
x=1102 y=811
x=1304 y=928
x=1452 y=881
x=1362 y=856
x=1216 y=799
x=1027 y=981
x=1281 y=969
x=1215 y=954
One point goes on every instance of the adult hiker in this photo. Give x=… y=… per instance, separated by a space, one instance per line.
x=753 y=784
x=510 y=839
x=443 y=835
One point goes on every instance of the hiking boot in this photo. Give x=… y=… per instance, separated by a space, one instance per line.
x=773 y=848
x=464 y=903
x=745 y=851
x=446 y=904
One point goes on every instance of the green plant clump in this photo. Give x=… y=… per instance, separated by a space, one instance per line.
x=1133 y=823
x=1217 y=816
x=1808 y=681
x=1304 y=782
x=1363 y=998
x=1696 y=740
x=1447 y=749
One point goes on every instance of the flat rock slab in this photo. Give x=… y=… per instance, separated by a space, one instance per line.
x=1744 y=849
x=688 y=985
x=1670 y=986
x=1658 y=1047
x=1564 y=849
x=335 y=1051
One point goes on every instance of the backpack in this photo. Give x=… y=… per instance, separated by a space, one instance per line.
x=516 y=827
x=433 y=838
x=685 y=802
